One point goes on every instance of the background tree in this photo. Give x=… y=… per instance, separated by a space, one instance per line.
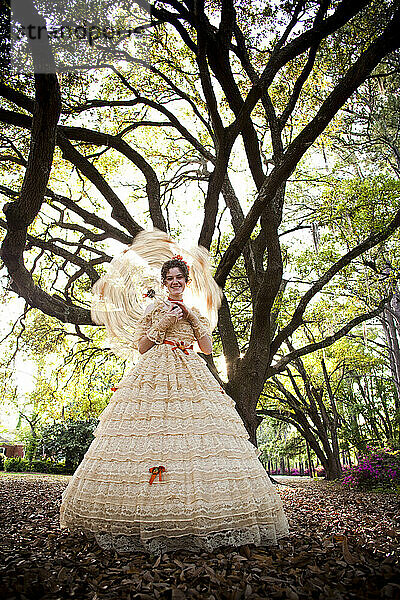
x=310 y=396
x=68 y=441
x=206 y=101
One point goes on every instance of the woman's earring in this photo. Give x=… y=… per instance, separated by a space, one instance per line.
x=189 y=281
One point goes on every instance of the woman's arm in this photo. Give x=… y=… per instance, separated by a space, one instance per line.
x=205 y=344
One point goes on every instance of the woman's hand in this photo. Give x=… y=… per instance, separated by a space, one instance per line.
x=186 y=312
x=174 y=314
x=145 y=344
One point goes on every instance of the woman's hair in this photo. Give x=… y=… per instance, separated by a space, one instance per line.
x=171 y=264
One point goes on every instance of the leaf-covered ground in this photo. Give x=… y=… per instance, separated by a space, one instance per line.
x=342 y=544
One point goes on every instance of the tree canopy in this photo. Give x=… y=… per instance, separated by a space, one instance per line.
x=226 y=110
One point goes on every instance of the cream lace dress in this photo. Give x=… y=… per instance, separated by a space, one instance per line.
x=170 y=411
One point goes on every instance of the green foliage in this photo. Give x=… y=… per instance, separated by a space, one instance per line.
x=347 y=210
x=276 y=440
x=43 y=335
x=69 y=440
x=70 y=378
x=31 y=445
x=16 y=464
x=368 y=140
x=23 y=465
x=368 y=409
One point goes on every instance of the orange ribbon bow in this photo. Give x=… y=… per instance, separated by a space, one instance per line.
x=179 y=346
x=156 y=471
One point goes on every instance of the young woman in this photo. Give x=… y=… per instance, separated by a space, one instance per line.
x=171 y=466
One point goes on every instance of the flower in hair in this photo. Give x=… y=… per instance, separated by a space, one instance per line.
x=179 y=257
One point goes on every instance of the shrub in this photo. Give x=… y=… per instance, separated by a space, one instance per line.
x=61 y=469
x=295 y=471
x=40 y=466
x=377 y=468
x=22 y=465
x=69 y=440
x=15 y=464
x=320 y=471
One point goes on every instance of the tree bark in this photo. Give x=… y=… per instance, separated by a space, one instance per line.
x=246 y=392
x=391 y=329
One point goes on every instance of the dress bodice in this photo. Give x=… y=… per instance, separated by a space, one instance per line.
x=181 y=331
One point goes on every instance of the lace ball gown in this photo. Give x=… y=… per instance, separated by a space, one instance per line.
x=170 y=412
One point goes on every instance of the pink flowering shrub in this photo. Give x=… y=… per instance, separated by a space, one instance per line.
x=295 y=471
x=346 y=468
x=377 y=468
x=275 y=472
x=320 y=471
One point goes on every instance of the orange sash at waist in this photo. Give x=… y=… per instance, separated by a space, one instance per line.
x=179 y=346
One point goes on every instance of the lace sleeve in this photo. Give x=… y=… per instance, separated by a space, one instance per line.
x=200 y=325
x=142 y=326
x=149 y=325
x=156 y=334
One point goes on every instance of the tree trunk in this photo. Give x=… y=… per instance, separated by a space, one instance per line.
x=310 y=465
x=333 y=470
x=245 y=392
x=390 y=328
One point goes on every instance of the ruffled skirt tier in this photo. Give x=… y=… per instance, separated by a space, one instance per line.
x=170 y=411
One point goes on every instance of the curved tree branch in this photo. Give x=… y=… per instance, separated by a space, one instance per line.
x=21 y=213
x=369 y=59
x=297 y=319
x=328 y=341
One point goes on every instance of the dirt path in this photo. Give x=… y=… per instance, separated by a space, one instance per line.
x=342 y=545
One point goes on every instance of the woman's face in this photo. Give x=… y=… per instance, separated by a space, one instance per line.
x=175 y=283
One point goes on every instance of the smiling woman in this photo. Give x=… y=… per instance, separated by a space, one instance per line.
x=171 y=466
x=175 y=277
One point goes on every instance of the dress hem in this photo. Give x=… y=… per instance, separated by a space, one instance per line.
x=123 y=544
